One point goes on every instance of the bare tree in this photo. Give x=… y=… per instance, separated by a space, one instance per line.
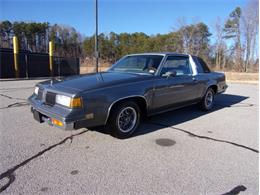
x=181 y=23
x=220 y=45
x=250 y=26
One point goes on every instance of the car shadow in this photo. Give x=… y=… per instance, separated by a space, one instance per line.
x=175 y=117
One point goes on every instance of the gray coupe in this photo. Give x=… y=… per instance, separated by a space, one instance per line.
x=136 y=86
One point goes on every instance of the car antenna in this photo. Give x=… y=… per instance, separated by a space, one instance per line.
x=101 y=76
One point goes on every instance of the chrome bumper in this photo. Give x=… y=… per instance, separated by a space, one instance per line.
x=223 y=88
x=48 y=120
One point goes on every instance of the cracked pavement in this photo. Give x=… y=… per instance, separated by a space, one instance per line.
x=186 y=151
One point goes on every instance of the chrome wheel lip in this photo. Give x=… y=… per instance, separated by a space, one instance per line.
x=127 y=118
x=209 y=99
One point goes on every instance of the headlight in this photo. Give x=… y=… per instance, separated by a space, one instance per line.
x=63 y=100
x=36 y=90
x=68 y=101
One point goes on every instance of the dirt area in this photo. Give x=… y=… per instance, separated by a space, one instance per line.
x=238 y=76
x=89 y=69
x=88 y=66
x=230 y=76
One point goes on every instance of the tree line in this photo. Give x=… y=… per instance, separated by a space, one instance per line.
x=192 y=38
x=35 y=37
x=234 y=45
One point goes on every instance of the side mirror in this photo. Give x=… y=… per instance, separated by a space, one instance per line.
x=172 y=73
x=151 y=71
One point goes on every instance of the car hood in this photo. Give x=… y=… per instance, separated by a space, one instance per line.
x=92 y=81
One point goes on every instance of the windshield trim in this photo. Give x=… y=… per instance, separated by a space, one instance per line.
x=139 y=73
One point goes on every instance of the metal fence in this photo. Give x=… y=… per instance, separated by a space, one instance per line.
x=36 y=65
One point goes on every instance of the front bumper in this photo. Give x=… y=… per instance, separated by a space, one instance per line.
x=66 y=117
x=40 y=117
x=71 y=119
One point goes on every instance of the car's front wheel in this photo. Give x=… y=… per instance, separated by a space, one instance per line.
x=124 y=119
x=208 y=100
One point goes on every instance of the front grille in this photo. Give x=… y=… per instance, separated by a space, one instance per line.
x=40 y=94
x=50 y=98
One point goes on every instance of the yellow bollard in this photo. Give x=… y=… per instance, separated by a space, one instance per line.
x=16 y=59
x=51 y=51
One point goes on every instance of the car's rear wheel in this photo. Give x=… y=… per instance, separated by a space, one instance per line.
x=208 y=100
x=124 y=119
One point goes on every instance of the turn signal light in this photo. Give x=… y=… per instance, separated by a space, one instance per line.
x=76 y=102
x=57 y=122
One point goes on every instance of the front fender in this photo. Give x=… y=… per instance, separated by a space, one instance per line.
x=102 y=100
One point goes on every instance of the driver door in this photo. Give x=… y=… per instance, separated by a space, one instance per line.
x=174 y=90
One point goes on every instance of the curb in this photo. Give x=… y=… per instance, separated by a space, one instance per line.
x=242 y=82
x=27 y=79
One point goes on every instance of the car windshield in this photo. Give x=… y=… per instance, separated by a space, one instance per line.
x=138 y=64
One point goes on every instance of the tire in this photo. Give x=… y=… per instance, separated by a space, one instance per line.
x=124 y=119
x=207 y=101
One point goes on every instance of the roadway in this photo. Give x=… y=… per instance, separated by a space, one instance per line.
x=186 y=151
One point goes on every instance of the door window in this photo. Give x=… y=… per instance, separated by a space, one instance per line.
x=178 y=64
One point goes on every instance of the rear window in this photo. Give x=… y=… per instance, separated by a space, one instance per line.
x=202 y=66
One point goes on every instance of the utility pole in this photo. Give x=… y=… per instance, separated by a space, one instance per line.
x=96 y=35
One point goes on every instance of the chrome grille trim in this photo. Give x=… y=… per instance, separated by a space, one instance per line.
x=40 y=94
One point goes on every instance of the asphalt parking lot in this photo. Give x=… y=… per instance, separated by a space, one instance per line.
x=186 y=151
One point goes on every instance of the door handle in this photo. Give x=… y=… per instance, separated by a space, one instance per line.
x=194 y=79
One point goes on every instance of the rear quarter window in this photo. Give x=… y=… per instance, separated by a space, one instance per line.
x=202 y=67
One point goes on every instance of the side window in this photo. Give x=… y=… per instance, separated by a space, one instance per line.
x=177 y=63
x=198 y=66
x=203 y=65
